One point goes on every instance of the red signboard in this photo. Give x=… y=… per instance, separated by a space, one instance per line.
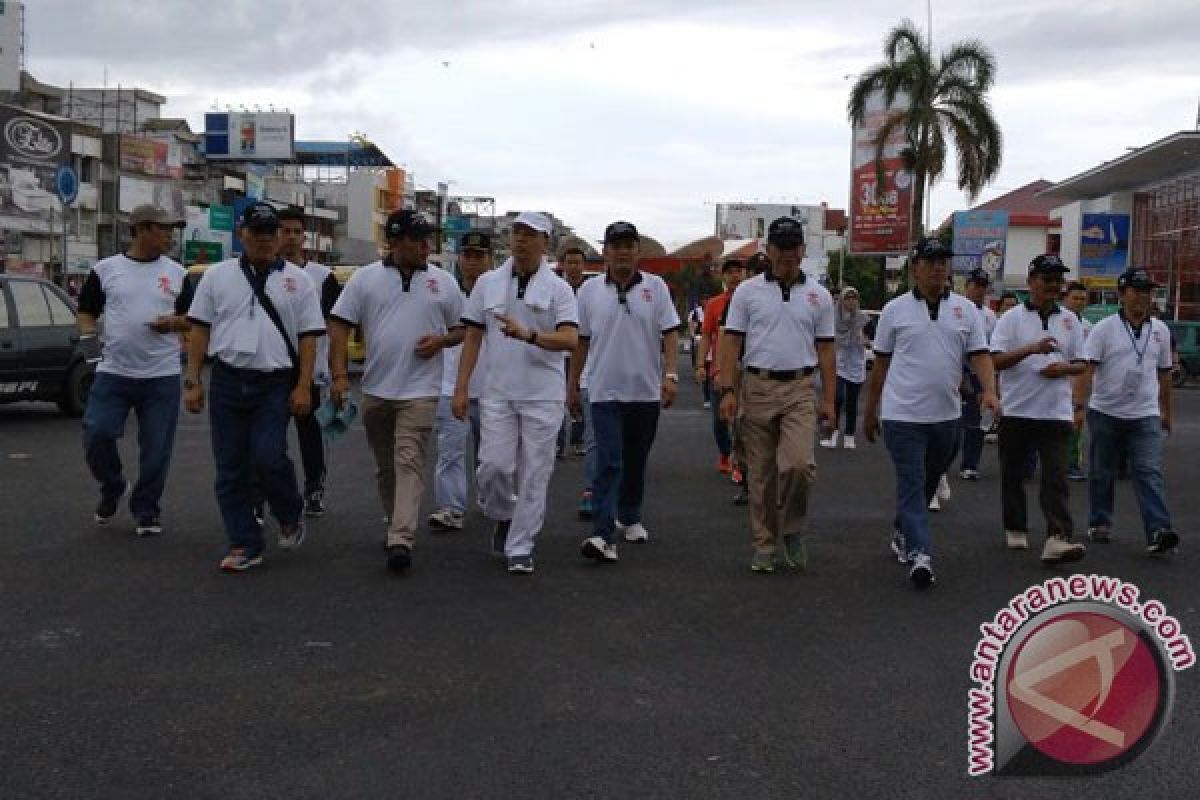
x=880 y=215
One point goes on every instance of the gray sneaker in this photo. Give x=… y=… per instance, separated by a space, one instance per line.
x=763 y=562
x=1060 y=550
x=795 y=554
x=921 y=573
x=520 y=565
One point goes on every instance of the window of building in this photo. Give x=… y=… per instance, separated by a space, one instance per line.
x=32 y=309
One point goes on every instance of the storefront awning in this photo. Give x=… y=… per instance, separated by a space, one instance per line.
x=1173 y=156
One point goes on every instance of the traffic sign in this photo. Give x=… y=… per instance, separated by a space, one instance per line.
x=66 y=184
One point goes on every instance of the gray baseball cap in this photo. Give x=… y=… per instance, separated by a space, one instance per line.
x=152 y=213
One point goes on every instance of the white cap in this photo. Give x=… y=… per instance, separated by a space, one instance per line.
x=532 y=219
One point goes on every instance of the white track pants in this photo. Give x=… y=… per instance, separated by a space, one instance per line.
x=516 y=460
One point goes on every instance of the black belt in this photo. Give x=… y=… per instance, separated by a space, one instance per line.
x=255 y=374
x=780 y=374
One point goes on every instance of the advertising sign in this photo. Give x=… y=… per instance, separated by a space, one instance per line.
x=135 y=192
x=197 y=252
x=751 y=220
x=249 y=136
x=150 y=155
x=880 y=215
x=33 y=149
x=204 y=235
x=1104 y=245
x=979 y=240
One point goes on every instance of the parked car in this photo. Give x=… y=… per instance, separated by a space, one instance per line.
x=42 y=356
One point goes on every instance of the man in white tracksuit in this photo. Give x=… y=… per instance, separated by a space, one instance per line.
x=529 y=317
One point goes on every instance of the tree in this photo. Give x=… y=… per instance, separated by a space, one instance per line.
x=948 y=101
x=865 y=273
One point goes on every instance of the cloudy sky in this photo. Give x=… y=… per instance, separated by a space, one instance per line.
x=651 y=110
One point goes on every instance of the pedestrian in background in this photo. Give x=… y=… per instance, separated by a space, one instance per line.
x=707 y=365
x=1075 y=300
x=851 y=324
x=973 y=430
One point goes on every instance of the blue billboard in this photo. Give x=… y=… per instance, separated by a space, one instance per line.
x=979 y=242
x=1103 y=245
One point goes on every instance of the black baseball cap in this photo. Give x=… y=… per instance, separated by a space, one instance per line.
x=931 y=248
x=260 y=217
x=979 y=276
x=406 y=222
x=732 y=263
x=476 y=240
x=621 y=230
x=1136 y=278
x=1048 y=264
x=786 y=232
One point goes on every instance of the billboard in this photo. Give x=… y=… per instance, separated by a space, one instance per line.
x=1103 y=245
x=152 y=155
x=252 y=136
x=979 y=241
x=880 y=215
x=135 y=192
x=33 y=149
x=751 y=220
x=208 y=235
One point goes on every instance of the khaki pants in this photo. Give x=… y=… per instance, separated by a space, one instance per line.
x=775 y=431
x=398 y=432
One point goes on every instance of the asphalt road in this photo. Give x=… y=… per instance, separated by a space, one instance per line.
x=134 y=669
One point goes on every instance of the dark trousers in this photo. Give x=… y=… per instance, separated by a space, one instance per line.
x=248 y=415
x=312 y=446
x=155 y=401
x=846 y=400
x=1049 y=439
x=719 y=428
x=972 y=432
x=624 y=434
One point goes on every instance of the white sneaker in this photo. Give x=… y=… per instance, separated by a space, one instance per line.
x=445 y=519
x=1059 y=550
x=848 y=442
x=635 y=532
x=943 y=490
x=935 y=504
x=831 y=441
x=1016 y=540
x=594 y=547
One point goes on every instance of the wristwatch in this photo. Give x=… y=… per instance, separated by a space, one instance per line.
x=188 y=383
x=672 y=377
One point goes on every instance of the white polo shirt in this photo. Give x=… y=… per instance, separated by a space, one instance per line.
x=394 y=314
x=625 y=331
x=130 y=294
x=1026 y=393
x=452 y=356
x=517 y=370
x=927 y=351
x=781 y=325
x=989 y=321
x=241 y=333
x=1124 y=385
x=318 y=273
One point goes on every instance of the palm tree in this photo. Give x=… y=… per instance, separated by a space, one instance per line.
x=947 y=100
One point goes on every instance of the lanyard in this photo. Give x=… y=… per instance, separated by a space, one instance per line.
x=1133 y=340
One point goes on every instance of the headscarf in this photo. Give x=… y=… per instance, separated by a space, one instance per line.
x=849 y=324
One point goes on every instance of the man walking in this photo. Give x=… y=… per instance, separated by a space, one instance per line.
x=976 y=291
x=1075 y=299
x=529 y=317
x=629 y=336
x=141 y=295
x=785 y=321
x=573 y=431
x=409 y=313
x=259 y=318
x=450 y=473
x=732 y=273
x=1127 y=392
x=308 y=430
x=1037 y=348
x=922 y=339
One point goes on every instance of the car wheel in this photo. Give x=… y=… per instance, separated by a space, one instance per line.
x=75 y=390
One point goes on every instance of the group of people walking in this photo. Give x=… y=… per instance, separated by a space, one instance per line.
x=484 y=363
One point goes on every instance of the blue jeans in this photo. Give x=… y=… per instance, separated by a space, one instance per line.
x=624 y=433
x=450 y=474
x=719 y=427
x=248 y=416
x=972 y=432
x=921 y=454
x=1141 y=440
x=156 y=403
x=589 y=442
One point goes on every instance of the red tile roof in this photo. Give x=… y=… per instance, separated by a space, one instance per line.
x=1023 y=205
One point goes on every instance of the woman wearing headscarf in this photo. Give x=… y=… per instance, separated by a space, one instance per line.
x=851 y=363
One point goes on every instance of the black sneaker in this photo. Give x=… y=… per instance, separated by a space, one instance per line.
x=921 y=573
x=399 y=557
x=1162 y=541
x=742 y=497
x=313 y=505
x=106 y=509
x=148 y=526
x=500 y=537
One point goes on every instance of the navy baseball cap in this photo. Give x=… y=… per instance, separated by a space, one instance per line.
x=260 y=217
x=786 y=232
x=979 y=276
x=621 y=230
x=1136 y=278
x=1048 y=264
x=405 y=222
x=932 y=249
x=475 y=240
